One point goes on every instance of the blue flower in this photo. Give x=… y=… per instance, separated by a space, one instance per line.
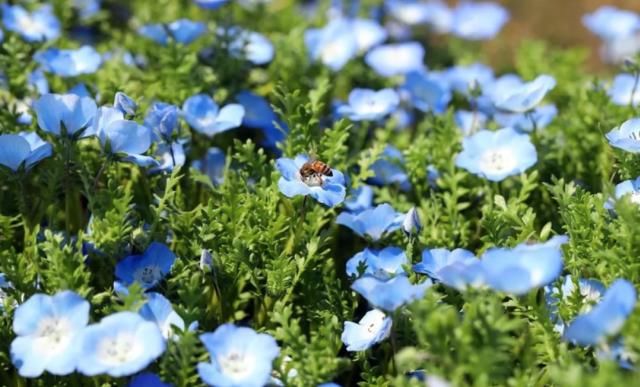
x=626 y=136
x=433 y=13
x=627 y=187
x=388 y=169
x=538 y=118
x=212 y=165
x=80 y=89
x=146 y=269
x=69 y=63
x=158 y=310
x=162 y=118
x=458 y=269
x=171 y=155
x=411 y=223
x=478 y=21
x=22 y=150
x=495 y=89
x=525 y=267
x=391 y=294
x=625 y=90
x=65 y=114
x=470 y=122
x=372 y=223
x=48 y=330
x=328 y=190
x=36 y=26
x=396 y=59
x=204 y=115
x=147 y=379
x=427 y=92
x=611 y=23
x=156 y=32
x=38 y=81
x=369 y=105
x=527 y=96
x=333 y=45
x=252 y=46
x=604 y=319
x=368 y=33
x=258 y=114
x=590 y=291
x=374 y=327
x=360 y=199
x=121 y=344
x=125 y=104
x=183 y=31
x=122 y=137
x=210 y=4
x=381 y=264
x=497 y=155
x=616 y=352
x=239 y=357
x=87 y=8
x=464 y=78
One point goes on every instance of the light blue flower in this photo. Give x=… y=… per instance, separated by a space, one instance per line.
x=372 y=223
x=80 y=89
x=526 y=97
x=212 y=165
x=162 y=118
x=23 y=150
x=411 y=223
x=61 y=114
x=428 y=93
x=123 y=138
x=369 y=105
x=239 y=357
x=381 y=264
x=396 y=59
x=478 y=21
x=156 y=32
x=333 y=45
x=626 y=136
x=433 y=13
x=368 y=33
x=470 y=122
x=606 y=318
x=147 y=379
x=147 y=269
x=69 y=63
x=121 y=344
x=372 y=329
x=388 y=169
x=617 y=352
x=210 y=4
x=250 y=45
x=497 y=155
x=258 y=114
x=538 y=118
x=630 y=188
x=464 y=78
x=205 y=116
x=183 y=31
x=360 y=199
x=589 y=290
x=125 y=104
x=494 y=89
x=171 y=155
x=38 y=82
x=328 y=190
x=158 y=310
x=391 y=294
x=48 y=330
x=611 y=23
x=41 y=24
x=523 y=268
x=625 y=90
x=458 y=268
x=87 y=8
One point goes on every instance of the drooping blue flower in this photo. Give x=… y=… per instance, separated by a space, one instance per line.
x=61 y=114
x=147 y=379
x=625 y=90
x=524 y=267
x=158 y=310
x=538 y=118
x=606 y=318
x=121 y=137
x=369 y=105
x=250 y=45
x=381 y=264
x=239 y=357
x=388 y=169
x=391 y=294
x=372 y=223
x=41 y=24
x=630 y=188
x=23 y=150
x=611 y=23
x=171 y=155
x=162 y=118
x=396 y=59
x=328 y=190
x=206 y=260
x=428 y=93
x=360 y=199
x=125 y=104
x=205 y=116
x=411 y=223
x=626 y=136
x=48 y=330
x=463 y=79
x=121 y=344
x=590 y=291
x=458 y=268
x=372 y=329
x=212 y=165
x=526 y=97
x=333 y=45
x=147 y=269
x=470 y=122
x=69 y=63
x=258 y=114
x=183 y=31
x=210 y=4
x=478 y=20
x=497 y=155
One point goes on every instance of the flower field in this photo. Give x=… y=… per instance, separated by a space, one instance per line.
x=315 y=193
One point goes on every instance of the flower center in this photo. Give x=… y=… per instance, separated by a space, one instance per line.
x=235 y=364
x=497 y=160
x=30 y=25
x=53 y=335
x=331 y=50
x=148 y=276
x=313 y=180
x=634 y=135
x=119 y=349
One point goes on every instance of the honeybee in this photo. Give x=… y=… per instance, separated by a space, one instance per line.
x=312 y=171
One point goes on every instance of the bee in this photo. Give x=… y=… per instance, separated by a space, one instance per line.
x=312 y=171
